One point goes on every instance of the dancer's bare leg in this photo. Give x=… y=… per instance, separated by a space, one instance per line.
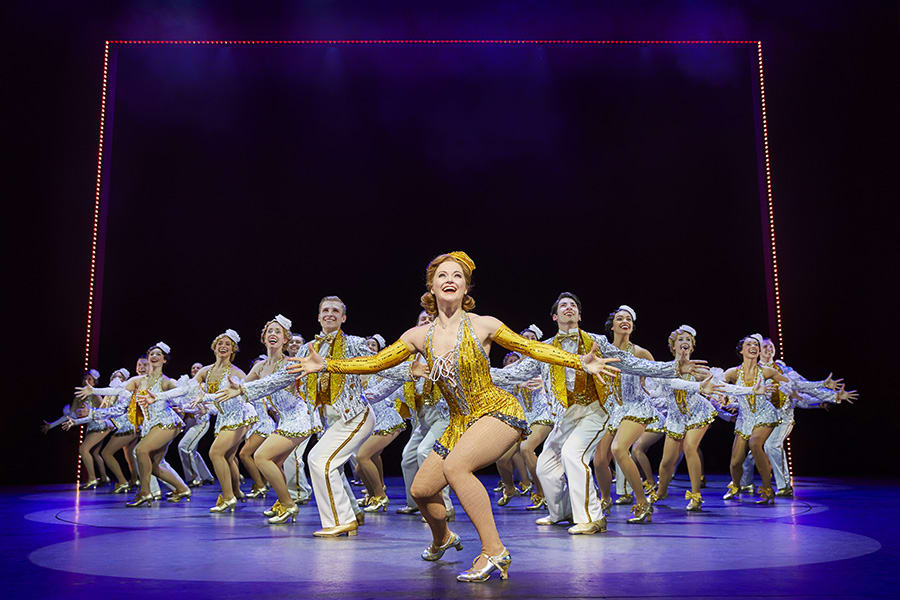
x=150 y=451
x=270 y=456
x=87 y=458
x=628 y=433
x=161 y=468
x=246 y=456
x=639 y=453
x=221 y=454
x=537 y=436
x=738 y=454
x=115 y=444
x=519 y=463
x=602 y=456
x=505 y=469
x=692 y=455
x=482 y=444
x=757 y=445
x=671 y=452
x=365 y=465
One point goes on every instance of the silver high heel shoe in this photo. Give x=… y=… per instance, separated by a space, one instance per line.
x=179 y=496
x=433 y=552
x=376 y=504
x=223 y=505
x=499 y=562
x=274 y=510
x=284 y=515
x=139 y=500
x=90 y=485
x=258 y=493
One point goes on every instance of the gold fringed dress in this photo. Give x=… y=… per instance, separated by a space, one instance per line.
x=463 y=376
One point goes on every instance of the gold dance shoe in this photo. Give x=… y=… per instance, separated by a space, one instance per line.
x=766 y=496
x=695 y=501
x=526 y=490
x=625 y=499
x=337 y=530
x=537 y=502
x=377 y=504
x=654 y=496
x=407 y=510
x=549 y=521
x=364 y=501
x=507 y=496
x=223 y=505
x=122 y=488
x=588 y=528
x=499 y=562
x=733 y=491
x=90 y=485
x=606 y=506
x=747 y=489
x=785 y=492
x=274 y=510
x=284 y=515
x=139 y=500
x=642 y=513
x=433 y=552
x=648 y=486
x=258 y=492
x=179 y=496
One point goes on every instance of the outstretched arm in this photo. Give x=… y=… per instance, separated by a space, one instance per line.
x=591 y=362
x=391 y=356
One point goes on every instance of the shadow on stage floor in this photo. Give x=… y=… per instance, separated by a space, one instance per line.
x=835 y=539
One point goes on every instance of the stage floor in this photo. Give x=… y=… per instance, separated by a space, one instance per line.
x=836 y=539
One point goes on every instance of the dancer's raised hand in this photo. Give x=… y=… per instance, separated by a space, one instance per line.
x=595 y=364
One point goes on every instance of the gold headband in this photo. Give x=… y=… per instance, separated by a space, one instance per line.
x=464 y=259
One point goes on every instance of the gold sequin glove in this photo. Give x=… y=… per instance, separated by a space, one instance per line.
x=511 y=340
x=391 y=356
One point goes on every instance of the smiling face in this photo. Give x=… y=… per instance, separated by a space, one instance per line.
x=224 y=348
x=274 y=336
x=294 y=345
x=331 y=315
x=449 y=283
x=767 y=352
x=683 y=344
x=156 y=357
x=622 y=323
x=142 y=366
x=567 y=313
x=195 y=368
x=750 y=349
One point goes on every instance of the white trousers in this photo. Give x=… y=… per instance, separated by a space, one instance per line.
x=341 y=440
x=774 y=448
x=564 y=465
x=429 y=427
x=191 y=462
x=295 y=473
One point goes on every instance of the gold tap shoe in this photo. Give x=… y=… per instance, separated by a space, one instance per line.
x=337 y=530
x=747 y=489
x=377 y=504
x=525 y=490
x=625 y=499
x=642 y=513
x=179 y=496
x=785 y=492
x=648 y=486
x=733 y=491
x=588 y=528
x=499 y=562
x=122 y=488
x=274 y=510
x=653 y=497
x=766 y=496
x=258 y=492
x=223 y=505
x=695 y=501
x=508 y=495
x=549 y=521
x=606 y=506
x=537 y=502
x=433 y=552
x=284 y=515
x=364 y=501
x=89 y=485
x=139 y=500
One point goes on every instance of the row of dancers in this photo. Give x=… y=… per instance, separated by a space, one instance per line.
x=587 y=399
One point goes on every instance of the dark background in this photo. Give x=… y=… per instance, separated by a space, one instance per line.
x=229 y=164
